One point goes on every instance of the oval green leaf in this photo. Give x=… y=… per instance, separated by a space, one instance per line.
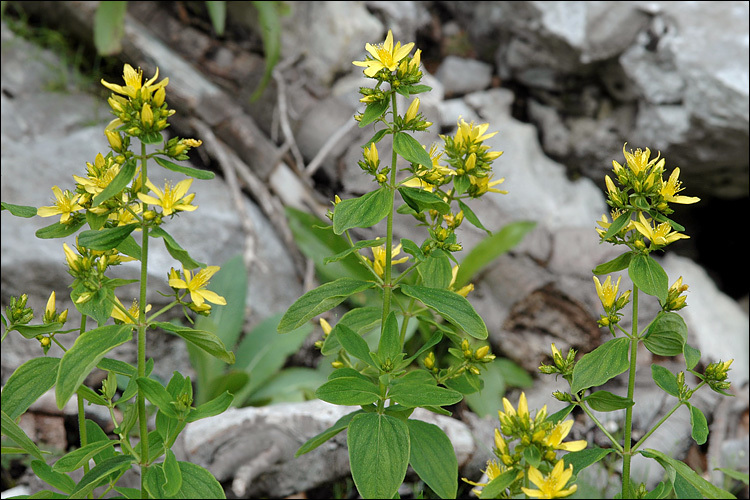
x=175 y=250
x=197 y=482
x=19 y=210
x=606 y=401
x=665 y=380
x=183 y=169
x=432 y=457
x=411 y=150
x=619 y=263
x=649 y=276
x=600 y=365
x=12 y=431
x=699 y=425
x=77 y=458
x=100 y=473
x=79 y=360
x=378 y=454
x=365 y=211
x=451 y=306
x=201 y=339
x=27 y=384
x=348 y=391
x=666 y=335
x=416 y=394
x=105 y=239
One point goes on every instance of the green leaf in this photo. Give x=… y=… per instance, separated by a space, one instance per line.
x=211 y=408
x=201 y=339
x=98 y=307
x=357 y=246
x=472 y=217
x=27 y=384
x=95 y=434
x=175 y=250
x=197 y=482
x=583 y=458
x=327 y=434
x=451 y=306
x=666 y=335
x=116 y=185
x=184 y=169
x=389 y=345
x=56 y=479
x=158 y=396
x=79 y=360
x=32 y=331
x=99 y=474
x=12 y=431
x=705 y=487
x=699 y=425
x=58 y=230
x=619 y=263
x=270 y=23
x=96 y=221
x=348 y=391
x=497 y=486
x=649 y=276
x=365 y=211
x=560 y=415
x=19 y=210
x=417 y=394
x=109 y=26
x=217 y=11
x=600 y=365
x=77 y=458
x=436 y=270
x=172 y=474
x=490 y=248
x=606 y=401
x=105 y=239
x=319 y=300
x=692 y=356
x=130 y=247
x=420 y=200
x=665 y=380
x=411 y=150
x=378 y=454
x=617 y=225
x=373 y=111
x=353 y=343
x=432 y=457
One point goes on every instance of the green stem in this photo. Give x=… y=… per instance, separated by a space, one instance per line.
x=140 y=400
x=658 y=424
x=82 y=412
x=601 y=426
x=387 y=284
x=627 y=447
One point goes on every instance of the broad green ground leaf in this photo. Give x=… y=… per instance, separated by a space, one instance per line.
x=649 y=276
x=364 y=211
x=699 y=425
x=432 y=457
x=327 y=434
x=77 y=458
x=606 y=401
x=602 y=364
x=416 y=394
x=184 y=169
x=410 y=149
x=319 y=300
x=27 y=384
x=666 y=335
x=12 y=431
x=99 y=474
x=109 y=26
x=204 y=340
x=217 y=11
x=88 y=349
x=105 y=239
x=348 y=391
x=54 y=478
x=378 y=454
x=665 y=380
x=490 y=248
x=451 y=306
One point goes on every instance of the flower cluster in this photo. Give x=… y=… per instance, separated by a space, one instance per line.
x=611 y=302
x=526 y=448
x=639 y=189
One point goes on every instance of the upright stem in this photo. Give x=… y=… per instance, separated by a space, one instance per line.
x=626 y=454
x=387 y=283
x=82 y=413
x=141 y=401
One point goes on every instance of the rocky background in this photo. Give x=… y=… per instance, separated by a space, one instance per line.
x=564 y=83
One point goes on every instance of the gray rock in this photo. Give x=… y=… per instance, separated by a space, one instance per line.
x=462 y=76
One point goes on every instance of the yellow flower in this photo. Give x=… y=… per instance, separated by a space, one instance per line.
x=607 y=293
x=133 y=84
x=670 y=189
x=172 y=198
x=99 y=175
x=196 y=286
x=147 y=116
x=493 y=470
x=510 y=412
x=132 y=310
x=639 y=160
x=411 y=113
x=385 y=55
x=468 y=134
x=378 y=258
x=325 y=326
x=661 y=235
x=65 y=203
x=561 y=430
x=371 y=155
x=553 y=485
x=482 y=185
